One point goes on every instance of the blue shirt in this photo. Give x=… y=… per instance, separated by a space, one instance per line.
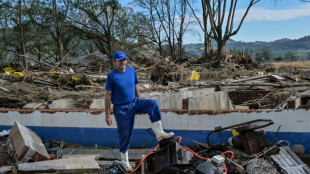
x=122 y=85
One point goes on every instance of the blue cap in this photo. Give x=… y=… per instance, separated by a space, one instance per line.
x=119 y=55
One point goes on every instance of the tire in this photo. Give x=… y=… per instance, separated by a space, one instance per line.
x=170 y=170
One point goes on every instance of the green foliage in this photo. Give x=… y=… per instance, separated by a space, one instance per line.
x=279 y=58
x=83 y=170
x=261 y=50
x=104 y=25
x=290 y=56
x=264 y=55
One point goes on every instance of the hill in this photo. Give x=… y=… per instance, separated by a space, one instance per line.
x=300 y=46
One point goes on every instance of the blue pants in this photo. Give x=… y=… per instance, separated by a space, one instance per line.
x=125 y=117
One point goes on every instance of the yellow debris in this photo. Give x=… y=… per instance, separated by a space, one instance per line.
x=234 y=132
x=9 y=69
x=76 y=78
x=195 y=75
x=12 y=71
x=19 y=74
x=52 y=73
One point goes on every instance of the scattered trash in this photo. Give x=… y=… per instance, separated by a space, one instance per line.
x=195 y=75
x=82 y=79
x=117 y=167
x=171 y=157
x=4 y=133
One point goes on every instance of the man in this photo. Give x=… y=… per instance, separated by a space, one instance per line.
x=123 y=91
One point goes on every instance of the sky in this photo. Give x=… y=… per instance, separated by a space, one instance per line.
x=267 y=20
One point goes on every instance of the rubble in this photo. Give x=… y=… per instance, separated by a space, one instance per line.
x=83 y=79
x=269 y=160
x=259 y=166
x=79 y=164
x=27 y=145
x=80 y=84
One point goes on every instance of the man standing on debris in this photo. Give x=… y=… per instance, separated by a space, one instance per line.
x=123 y=90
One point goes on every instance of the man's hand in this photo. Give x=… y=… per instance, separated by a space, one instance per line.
x=108 y=119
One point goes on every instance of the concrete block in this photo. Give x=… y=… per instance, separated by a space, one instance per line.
x=149 y=95
x=298 y=149
x=34 y=106
x=27 y=144
x=241 y=107
x=294 y=103
x=97 y=104
x=173 y=84
x=80 y=164
x=212 y=101
x=133 y=154
x=174 y=100
x=62 y=104
x=6 y=169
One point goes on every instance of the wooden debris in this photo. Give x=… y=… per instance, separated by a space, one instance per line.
x=4 y=89
x=276 y=78
x=44 y=82
x=250 y=78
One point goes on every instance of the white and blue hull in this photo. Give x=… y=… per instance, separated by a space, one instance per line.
x=88 y=127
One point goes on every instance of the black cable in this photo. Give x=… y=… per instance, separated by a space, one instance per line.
x=148 y=131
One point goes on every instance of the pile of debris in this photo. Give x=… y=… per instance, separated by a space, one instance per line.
x=22 y=151
x=83 y=78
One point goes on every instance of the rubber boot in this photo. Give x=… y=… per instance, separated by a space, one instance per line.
x=125 y=160
x=159 y=132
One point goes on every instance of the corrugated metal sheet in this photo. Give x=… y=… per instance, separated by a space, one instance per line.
x=290 y=162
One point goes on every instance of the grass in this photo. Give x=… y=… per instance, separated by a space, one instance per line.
x=301 y=64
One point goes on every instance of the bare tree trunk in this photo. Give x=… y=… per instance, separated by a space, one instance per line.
x=207 y=46
x=219 y=50
x=160 y=47
x=221 y=35
x=60 y=49
x=58 y=32
x=204 y=27
x=21 y=36
x=110 y=52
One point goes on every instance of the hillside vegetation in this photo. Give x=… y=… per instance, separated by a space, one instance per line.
x=299 y=47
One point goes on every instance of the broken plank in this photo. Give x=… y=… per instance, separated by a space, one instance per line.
x=37 y=80
x=85 y=164
x=4 y=89
x=238 y=167
x=276 y=78
x=279 y=85
x=252 y=78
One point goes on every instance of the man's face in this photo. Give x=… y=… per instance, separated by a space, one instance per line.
x=120 y=64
